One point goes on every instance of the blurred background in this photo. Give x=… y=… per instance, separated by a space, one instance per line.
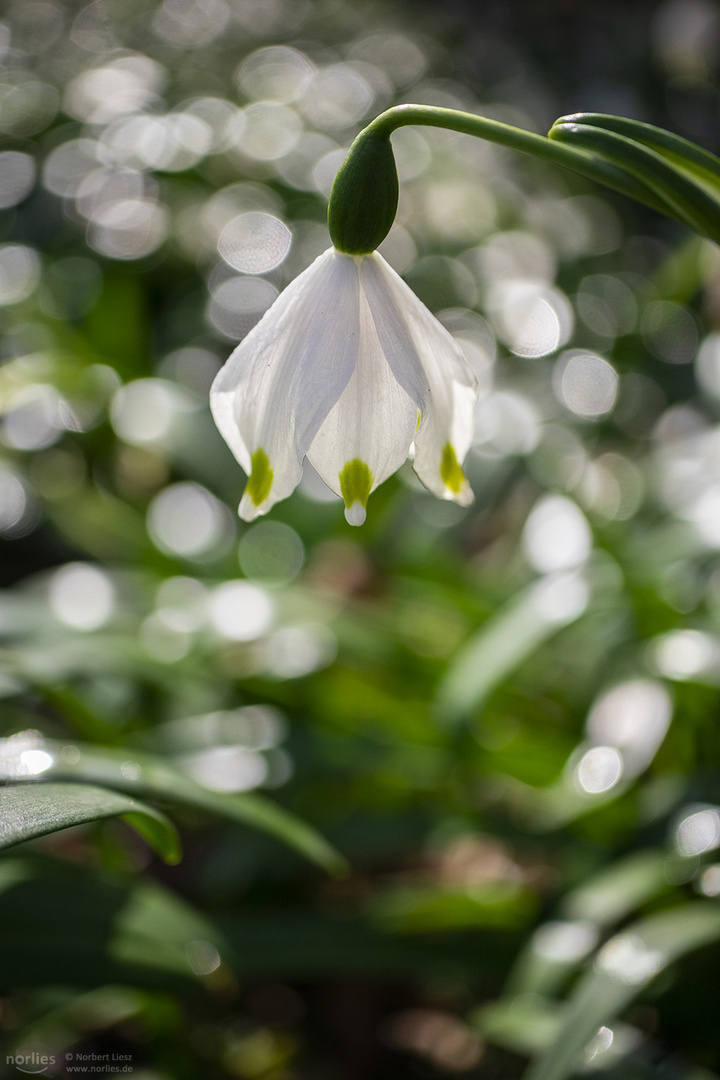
x=504 y=717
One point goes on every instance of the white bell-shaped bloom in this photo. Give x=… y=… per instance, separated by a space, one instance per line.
x=350 y=369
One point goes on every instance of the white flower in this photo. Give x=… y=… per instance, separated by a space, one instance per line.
x=350 y=369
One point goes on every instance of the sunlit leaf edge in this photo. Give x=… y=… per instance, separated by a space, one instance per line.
x=35 y=809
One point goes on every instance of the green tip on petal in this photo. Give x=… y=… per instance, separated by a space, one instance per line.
x=261 y=478
x=452 y=475
x=355 y=486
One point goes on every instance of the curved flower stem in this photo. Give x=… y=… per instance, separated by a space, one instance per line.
x=578 y=160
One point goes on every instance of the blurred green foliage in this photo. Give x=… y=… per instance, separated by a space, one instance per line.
x=446 y=786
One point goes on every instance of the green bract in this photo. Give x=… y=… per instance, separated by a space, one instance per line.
x=364 y=196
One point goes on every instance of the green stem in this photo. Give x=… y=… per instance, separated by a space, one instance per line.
x=579 y=161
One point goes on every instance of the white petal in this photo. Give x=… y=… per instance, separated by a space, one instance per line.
x=282 y=380
x=443 y=441
x=370 y=428
x=384 y=287
x=446 y=428
x=386 y=295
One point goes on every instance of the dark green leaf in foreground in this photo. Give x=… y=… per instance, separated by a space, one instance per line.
x=65 y=925
x=35 y=809
x=152 y=777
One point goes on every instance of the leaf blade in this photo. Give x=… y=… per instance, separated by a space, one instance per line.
x=35 y=809
x=622 y=968
x=695 y=159
x=153 y=777
x=685 y=196
x=512 y=635
x=59 y=919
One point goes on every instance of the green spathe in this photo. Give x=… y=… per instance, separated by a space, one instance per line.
x=364 y=196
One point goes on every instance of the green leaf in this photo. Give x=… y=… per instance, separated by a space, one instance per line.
x=617 y=890
x=63 y=1025
x=688 y=155
x=150 y=776
x=63 y=924
x=528 y=1024
x=412 y=909
x=622 y=968
x=502 y=644
x=525 y=1024
x=686 y=197
x=36 y=808
x=102 y=525
x=604 y=900
x=67 y=925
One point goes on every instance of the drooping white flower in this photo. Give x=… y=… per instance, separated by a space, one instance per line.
x=349 y=369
